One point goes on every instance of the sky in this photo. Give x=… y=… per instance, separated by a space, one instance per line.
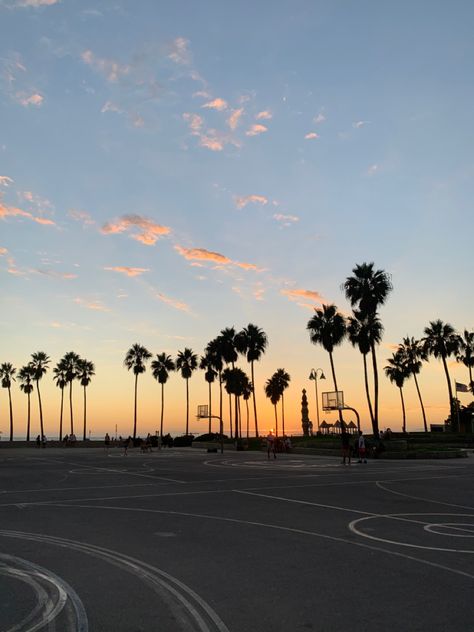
x=168 y=169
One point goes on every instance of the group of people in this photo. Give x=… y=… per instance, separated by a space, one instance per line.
x=277 y=444
x=349 y=449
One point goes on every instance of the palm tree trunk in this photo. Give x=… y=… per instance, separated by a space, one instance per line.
x=85 y=413
x=367 y=391
x=40 y=408
x=253 y=398
x=276 y=423
x=247 y=407
x=162 y=408
x=187 y=406
x=11 y=413
x=28 y=422
x=236 y=433
x=61 y=416
x=71 y=416
x=454 y=421
x=230 y=415
x=240 y=418
x=341 y=420
x=404 y=424
x=221 y=424
x=283 y=413
x=210 y=408
x=421 y=403
x=375 y=423
x=135 y=408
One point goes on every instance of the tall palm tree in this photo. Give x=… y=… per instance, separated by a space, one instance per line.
x=328 y=328
x=70 y=362
x=214 y=352
x=466 y=354
x=60 y=379
x=235 y=381
x=367 y=290
x=441 y=341
x=273 y=392
x=186 y=363
x=252 y=341
x=206 y=364
x=229 y=353
x=161 y=368
x=135 y=359
x=85 y=372
x=7 y=371
x=414 y=355
x=397 y=371
x=39 y=363
x=246 y=393
x=283 y=380
x=26 y=377
x=364 y=331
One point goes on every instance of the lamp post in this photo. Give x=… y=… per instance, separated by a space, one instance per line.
x=314 y=376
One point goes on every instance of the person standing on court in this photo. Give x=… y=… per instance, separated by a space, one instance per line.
x=361 y=447
x=271 y=445
x=346 y=447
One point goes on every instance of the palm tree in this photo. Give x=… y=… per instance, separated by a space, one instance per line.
x=70 y=362
x=365 y=331
x=60 y=380
x=85 y=371
x=283 y=380
x=328 y=328
x=229 y=354
x=136 y=358
x=441 y=341
x=235 y=381
x=7 y=371
x=273 y=392
x=366 y=290
x=397 y=371
x=161 y=368
x=253 y=342
x=246 y=393
x=414 y=355
x=26 y=377
x=214 y=352
x=466 y=354
x=186 y=362
x=206 y=364
x=39 y=363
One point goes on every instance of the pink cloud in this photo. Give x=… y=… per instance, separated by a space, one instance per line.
x=33 y=99
x=217 y=104
x=13 y=211
x=311 y=136
x=81 y=216
x=66 y=276
x=44 y=221
x=297 y=294
x=194 y=121
x=201 y=254
x=148 y=231
x=94 y=305
x=265 y=115
x=241 y=202
x=35 y=3
x=130 y=272
x=255 y=130
x=3 y=252
x=214 y=143
x=233 y=119
x=172 y=302
x=112 y=69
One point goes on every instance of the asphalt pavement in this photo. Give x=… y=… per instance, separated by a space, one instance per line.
x=180 y=539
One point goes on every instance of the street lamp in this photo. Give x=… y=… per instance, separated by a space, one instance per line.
x=314 y=376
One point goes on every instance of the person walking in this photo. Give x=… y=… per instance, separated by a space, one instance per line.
x=107 y=442
x=361 y=448
x=271 y=447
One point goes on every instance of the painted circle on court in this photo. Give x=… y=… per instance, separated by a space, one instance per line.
x=453 y=529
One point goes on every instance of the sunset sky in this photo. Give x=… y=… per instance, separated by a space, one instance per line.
x=168 y=169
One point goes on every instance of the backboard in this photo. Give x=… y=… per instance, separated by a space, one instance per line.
x=203 y=411
x=333 y=400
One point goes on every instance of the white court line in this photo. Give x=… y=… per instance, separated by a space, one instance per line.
x=428 y=500
x=280 y=528
x=63 y=489
x=113 y=471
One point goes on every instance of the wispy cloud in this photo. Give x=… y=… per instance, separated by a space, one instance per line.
x=130 y=272
x=194 y=121
x=256 y=129
x=65 y=276
x=319 y=118
x=234 y=118
x=33 y=3
x=3 y=252
x=179 y=51
x=148 y=231
x=298 y=294
x=111 y=68
x=359 y=124
x=373 y=169
x=286 y=220
x=5 y=181
x=242 y=201
x=201 y=254
x=13 y=211
x=179 y=305
x=264 y=115
x=35 y=99
x=97 y=306
x=311 y=136
x=216 y=104
x=110 y=106
x=81 y=216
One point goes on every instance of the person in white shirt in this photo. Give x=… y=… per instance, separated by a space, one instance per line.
x=361 y=447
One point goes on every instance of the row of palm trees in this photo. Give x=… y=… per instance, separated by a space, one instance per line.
x=71 y=367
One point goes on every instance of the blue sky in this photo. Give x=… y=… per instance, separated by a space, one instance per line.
x=170 y=169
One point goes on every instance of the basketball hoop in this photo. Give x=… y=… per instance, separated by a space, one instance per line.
x=333 y=400
x=202 y=411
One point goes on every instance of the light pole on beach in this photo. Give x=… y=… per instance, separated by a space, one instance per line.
x=314 y=376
